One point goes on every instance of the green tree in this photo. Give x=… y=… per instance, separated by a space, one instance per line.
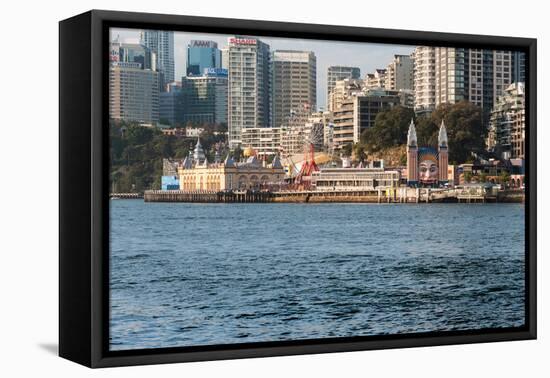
x=504 y=177
x=359 y=152
x=389 y=130
x=482 y=177
x=465 y=130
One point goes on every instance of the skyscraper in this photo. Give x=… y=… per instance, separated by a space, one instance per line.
x=336 y=73
x=133 y=84
x=204 y=97
x=202 y=55
x=294 y=84
x=249 y=86
x=162 y=43
x=133 y=94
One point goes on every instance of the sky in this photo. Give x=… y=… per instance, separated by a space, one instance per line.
x=366 y=56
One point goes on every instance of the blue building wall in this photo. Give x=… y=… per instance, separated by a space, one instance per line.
x=170 y=183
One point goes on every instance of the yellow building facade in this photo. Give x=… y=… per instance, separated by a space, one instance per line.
x=196 y=174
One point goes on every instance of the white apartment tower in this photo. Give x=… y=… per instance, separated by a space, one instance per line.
x=424 y=79
x=249 y=86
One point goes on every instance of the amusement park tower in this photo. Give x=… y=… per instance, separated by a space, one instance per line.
x=427 y=166
x=443 y=154
x=412 y=156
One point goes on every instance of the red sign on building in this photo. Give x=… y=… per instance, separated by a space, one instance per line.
x=242 y=41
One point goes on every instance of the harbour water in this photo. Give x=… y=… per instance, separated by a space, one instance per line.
x=204 y=274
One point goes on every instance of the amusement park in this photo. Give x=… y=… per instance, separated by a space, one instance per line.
x=321 y=174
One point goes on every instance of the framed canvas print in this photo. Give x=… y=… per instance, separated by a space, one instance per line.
x=234 y=188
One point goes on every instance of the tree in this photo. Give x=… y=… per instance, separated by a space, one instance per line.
x=427 y=131
x=465 y=130
x=389 y=130
x=467 y=176
x=483 y=177
x=347 y=149
x=504 y=177
x=359 y=152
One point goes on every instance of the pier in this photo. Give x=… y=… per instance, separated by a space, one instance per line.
x=475 y=194
x=245 y=196
x=125 y=195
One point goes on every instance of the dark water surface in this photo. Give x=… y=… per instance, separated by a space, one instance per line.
x=202 y=274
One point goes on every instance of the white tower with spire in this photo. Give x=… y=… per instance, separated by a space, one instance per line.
x=198 y=153
x=412 y=156
x=443 y=147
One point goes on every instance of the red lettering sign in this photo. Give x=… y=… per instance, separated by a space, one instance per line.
x=242 y=41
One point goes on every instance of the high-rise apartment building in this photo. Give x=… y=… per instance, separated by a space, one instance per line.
x=249 y=90
x=424 y=79
x=358 y=113
x=202 y=55
x=204 y=98
x=376 y=80
x=518 y=67
x=225 y=58
x=450 y=72
x=507 y=124
x=489 y=73
x=336 y=73
x=294 y=84
x=342 y=90
x=400 y=73
x=447 y=75
x=162 y=43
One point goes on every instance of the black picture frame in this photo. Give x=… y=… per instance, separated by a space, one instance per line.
x=84 y=188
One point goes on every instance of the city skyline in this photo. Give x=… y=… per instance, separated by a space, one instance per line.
x=367 y=56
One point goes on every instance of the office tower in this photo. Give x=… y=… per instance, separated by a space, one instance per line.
x=202 y=55
x=170 y=105
x=249 y=86
x=204 y=98
x=336 y=73
x=294 y=84
x=133 y=84
x=162 y=43
x=134 y=93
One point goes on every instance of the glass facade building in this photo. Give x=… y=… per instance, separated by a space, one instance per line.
x=202 y=55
